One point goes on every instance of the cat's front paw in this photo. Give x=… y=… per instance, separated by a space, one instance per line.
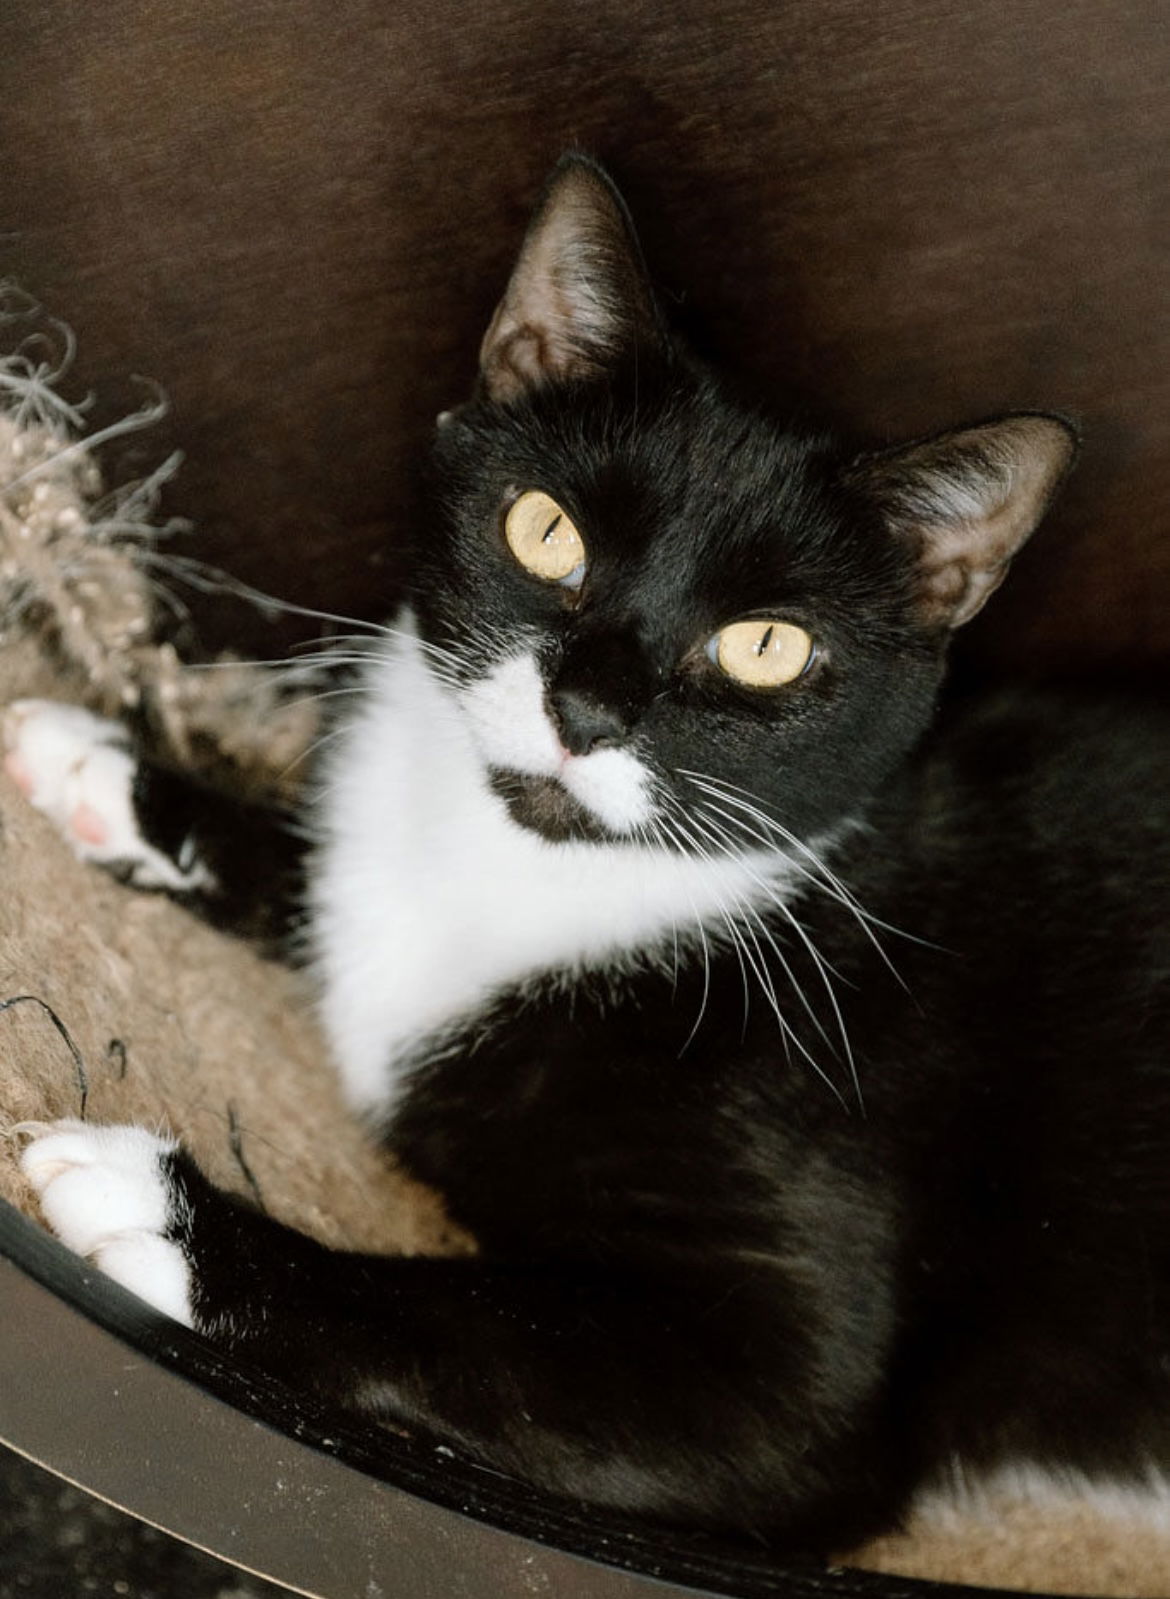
x=80 y=770
x=73 y=766
x=106 y=1193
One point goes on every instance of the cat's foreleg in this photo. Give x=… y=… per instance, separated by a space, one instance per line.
x=672 y=1393
x=236 y=863
x=82 y=771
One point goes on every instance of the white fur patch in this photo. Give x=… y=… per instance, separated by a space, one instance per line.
x=104 y=1193
x=967 y=1497
x=76 y=768
x=511 y=729
x=506 y=718
x=427 y=897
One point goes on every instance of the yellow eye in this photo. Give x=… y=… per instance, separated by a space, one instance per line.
x=762 y=654
x=544 y=540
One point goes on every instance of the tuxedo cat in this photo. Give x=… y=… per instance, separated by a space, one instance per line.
x=798 y=1059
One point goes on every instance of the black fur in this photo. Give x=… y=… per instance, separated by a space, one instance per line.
x=758 y=1278
x=254 y=853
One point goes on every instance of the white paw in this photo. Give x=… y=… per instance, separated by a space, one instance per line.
x=104 y=1192
x=79 y=770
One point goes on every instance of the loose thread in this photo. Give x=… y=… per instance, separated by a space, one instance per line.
x=78 y=1063
x=236 y=1143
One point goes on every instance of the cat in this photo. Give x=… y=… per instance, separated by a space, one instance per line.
x=795 y=1051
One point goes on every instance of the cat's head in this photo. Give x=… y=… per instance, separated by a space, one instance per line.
x=660 y=608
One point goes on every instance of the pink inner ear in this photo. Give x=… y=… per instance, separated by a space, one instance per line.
x=953 y=594
x=961 y=564
x=966 y=502
x=516 y=361
x=578 y=295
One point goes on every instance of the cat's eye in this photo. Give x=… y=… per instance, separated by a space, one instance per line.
x=762 y=653
x=544 y=540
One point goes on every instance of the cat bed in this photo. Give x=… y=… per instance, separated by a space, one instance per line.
x=118 y=1006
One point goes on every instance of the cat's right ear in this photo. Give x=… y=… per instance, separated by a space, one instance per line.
x=579 y=298
x=965 y=502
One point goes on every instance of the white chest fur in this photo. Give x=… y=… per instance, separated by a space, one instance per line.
x=427 y=898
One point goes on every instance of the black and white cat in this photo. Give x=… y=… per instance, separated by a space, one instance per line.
x=802 y=1070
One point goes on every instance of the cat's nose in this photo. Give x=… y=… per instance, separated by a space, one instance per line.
x=584 y=722
x=599 y=688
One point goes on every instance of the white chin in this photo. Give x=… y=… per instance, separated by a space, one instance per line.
x=513 y=733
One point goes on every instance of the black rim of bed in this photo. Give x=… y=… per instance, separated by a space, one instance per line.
x=145 y=1415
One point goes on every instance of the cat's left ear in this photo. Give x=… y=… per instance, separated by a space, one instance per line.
x=966 y=502
x=579 y=297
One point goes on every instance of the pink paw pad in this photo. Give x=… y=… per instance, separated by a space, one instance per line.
x=79 y=770
x=89 y=826
x=18 y=771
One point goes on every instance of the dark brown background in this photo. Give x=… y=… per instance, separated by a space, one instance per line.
x=894 y=213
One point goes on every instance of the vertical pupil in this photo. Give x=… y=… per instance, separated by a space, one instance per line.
x=766 y=640
x=551 y=528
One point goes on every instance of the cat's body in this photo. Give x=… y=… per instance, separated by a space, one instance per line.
x=803 y=1083
x=964 y=1174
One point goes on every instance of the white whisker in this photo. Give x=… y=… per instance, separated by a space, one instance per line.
x=824 y=969
x=308 y=753
x=773 y=833
x=726 y=843
x=758 y=961
x=706 y=950
x=681 y=842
